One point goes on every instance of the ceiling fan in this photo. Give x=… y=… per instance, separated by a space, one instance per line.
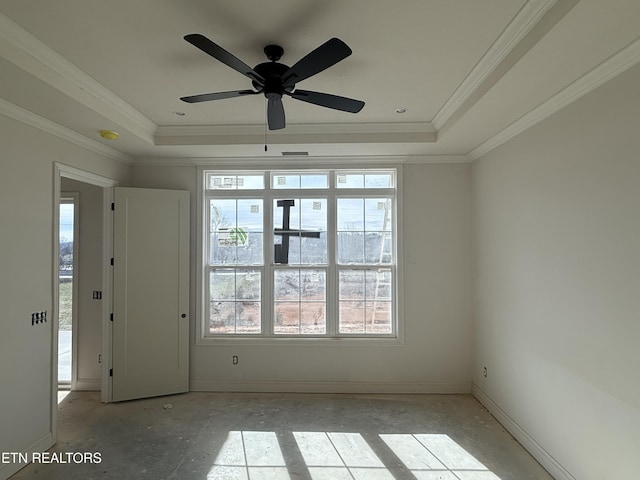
x=275 y=79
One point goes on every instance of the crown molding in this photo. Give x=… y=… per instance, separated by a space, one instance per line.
x=524 y=21
x=408 y=132
x=311 y=162
x=29 y=118
x=286 y=162
x=33 y=56
x=607 y=70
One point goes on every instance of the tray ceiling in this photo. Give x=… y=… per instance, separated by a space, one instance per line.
x=470 y=74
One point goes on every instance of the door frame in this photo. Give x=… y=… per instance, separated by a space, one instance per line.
x=61 y=170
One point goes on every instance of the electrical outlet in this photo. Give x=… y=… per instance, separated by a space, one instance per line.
x=235 y=359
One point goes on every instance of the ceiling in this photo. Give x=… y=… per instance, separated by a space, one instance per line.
x=470 y=73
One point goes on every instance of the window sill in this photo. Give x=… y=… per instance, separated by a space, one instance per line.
x=350 y=341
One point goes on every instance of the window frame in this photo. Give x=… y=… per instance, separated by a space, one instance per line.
x=268 y=268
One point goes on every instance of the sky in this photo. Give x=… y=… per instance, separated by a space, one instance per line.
x=66 y=222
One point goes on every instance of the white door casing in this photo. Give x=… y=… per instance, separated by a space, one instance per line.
x=150 y=342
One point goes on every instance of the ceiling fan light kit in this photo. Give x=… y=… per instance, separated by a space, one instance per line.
x=274 y=79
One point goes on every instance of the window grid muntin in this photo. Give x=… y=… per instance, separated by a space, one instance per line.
x=372 y=303
x=277 y=223
x=268 y=194
x=389 y=234
x=365 y=173
x=235 y=178
x=238 y=302
x=275 y=177
x=236 y=198
x=298 y=299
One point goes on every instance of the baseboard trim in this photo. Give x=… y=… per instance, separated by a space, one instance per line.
x=545 y=459
x=88 y=384
x=42 y=445
x=331 y=387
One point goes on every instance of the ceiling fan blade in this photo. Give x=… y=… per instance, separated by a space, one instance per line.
x=323 y=57
x=205 y=97
x=275 y=113
x=219 y=53
x=327 y=100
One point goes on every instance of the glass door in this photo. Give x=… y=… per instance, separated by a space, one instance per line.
x=66 y=288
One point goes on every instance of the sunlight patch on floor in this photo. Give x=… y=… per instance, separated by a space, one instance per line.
x=62 y=394
x=246 y=455
x=249 y=455
x=436 y=456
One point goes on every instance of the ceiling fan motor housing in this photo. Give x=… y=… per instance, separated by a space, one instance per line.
x=272 y=73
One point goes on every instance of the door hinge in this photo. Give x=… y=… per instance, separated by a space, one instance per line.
x=112 y=261
x=111 y=372
x=113 y=206
x=111 y=317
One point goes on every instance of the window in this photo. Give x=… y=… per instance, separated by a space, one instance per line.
x=300 y=254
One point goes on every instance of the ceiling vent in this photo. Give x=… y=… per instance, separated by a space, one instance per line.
x=295 y=154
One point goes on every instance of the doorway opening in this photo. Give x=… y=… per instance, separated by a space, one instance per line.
x=90 y=337
x=67 y=291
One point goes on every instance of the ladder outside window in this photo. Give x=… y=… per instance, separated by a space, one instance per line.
x=382 y=309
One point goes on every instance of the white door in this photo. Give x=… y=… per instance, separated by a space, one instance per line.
x=150 y=343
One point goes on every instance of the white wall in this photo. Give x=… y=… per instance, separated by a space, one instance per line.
x=89 y=278
x=436 y=356
x=556 y=214
x=26 y=256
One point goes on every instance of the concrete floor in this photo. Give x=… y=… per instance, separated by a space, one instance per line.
x=207 y=436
